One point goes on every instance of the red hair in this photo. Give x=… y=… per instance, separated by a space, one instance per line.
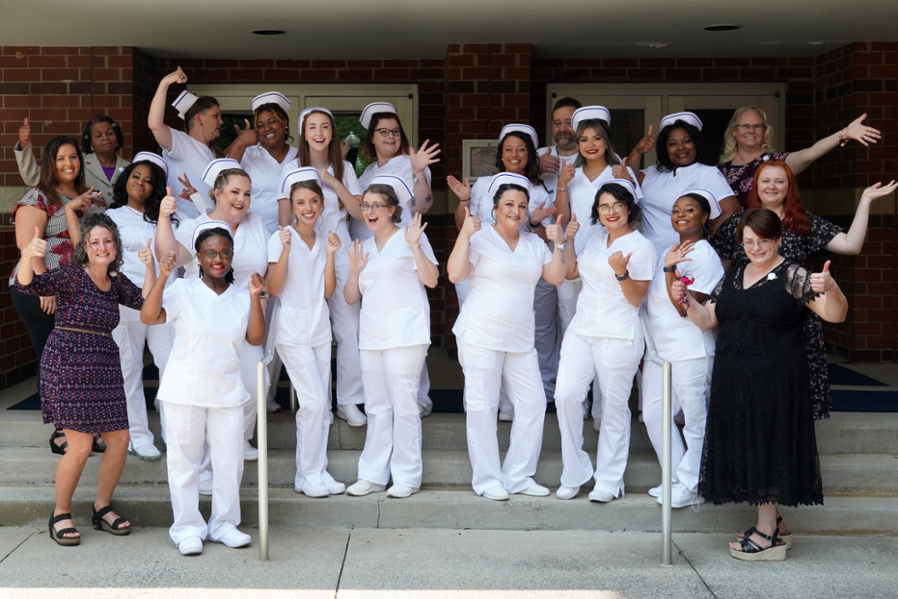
x=795 y=217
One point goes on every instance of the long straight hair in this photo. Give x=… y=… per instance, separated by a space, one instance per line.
x=602 y=128
x=335 y=151
x=729 y=140
x=49 y=179
x=795 y=217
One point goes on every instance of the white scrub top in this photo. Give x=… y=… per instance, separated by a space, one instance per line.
x=677 y=338
x=602 y=309
x=190 y=156
x=481 y=204
x=250 y=248
x=304 y=318
x=551 y=179
x=209 y=333
x=265 y=173
x=134 y=232
x=581 y=197
x=398 y=166
x=662 y=189
x=498 y=312
x=395 y=310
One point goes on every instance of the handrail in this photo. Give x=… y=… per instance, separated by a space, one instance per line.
x=262 y=427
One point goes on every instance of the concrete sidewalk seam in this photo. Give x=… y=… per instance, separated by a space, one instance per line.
x=13 y=550
x=343 y=563
x=697 y=573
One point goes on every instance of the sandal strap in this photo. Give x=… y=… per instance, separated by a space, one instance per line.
x=98 y=516
x=59 y=533
x=751 y=546
x=60 y=518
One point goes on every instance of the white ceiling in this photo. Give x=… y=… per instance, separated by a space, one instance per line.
x=358 y=29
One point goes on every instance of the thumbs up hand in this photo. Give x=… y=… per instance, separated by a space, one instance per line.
x=146 y=254
x=549 y=163
x=620 y=171
x=821 y=282
x=572 y=227
x=470 y=226
x=37 y=247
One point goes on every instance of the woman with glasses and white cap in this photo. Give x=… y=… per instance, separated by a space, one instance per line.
x=604 y=340
x=495 y=334
x=516 y=153
x=137 y=197
x=212 y=319
x=231 y=189
x=685 y=161
x=301 y=272
x=319 y=148
x=390 y=272
x=692 y=260
x=186 y=153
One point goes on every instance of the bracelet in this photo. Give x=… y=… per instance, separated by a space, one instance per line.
x=461 y=200
x=669 y=269
x=415 y=246
x=561 y=189
x=533 y=228
x=843 y=139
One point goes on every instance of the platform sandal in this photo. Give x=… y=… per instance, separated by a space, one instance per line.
x=99 y=445
x=58 y=448
x=786 y=538
x=752 y=552
x=56 y=535
x=102 y=525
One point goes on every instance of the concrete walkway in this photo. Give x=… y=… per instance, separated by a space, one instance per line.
x=436 y=564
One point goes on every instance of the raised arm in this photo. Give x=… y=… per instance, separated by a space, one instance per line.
x=555 y=271
x=28 y=167
x=149 y=279
x=572 y=272
x=702 y=316
x=852 y=242
x=277 y=271
x=245 y=138
x=634 y=158
x=332 y=246
x=831 y=305
x=156 y=116
x=562 y=196
x=152 y=311
x=166 y=243
x=350 y=202
x=255 y=331
x=357 y=261
x=463 y=192
x=634 y=291
x=856 y=130
x=422 y=195
x=428 y=273
x=459 y=265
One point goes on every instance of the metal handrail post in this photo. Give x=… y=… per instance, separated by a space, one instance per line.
x=262 y=442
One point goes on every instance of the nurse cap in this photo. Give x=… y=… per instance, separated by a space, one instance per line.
x=215 y=167
x=588 y=113
x=307 y=111
x=403 y=193
x=212 y=224
x=687 y=117
x=712 y=201
x=628 y=185
x=271 y=98
x=372 y=109
x=184 y=102
x=518 y=127
x=509 y=179
x=305 y=173
x=154 y=158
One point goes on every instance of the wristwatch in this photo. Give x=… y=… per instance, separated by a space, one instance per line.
x=623 y=277
x=562 y=246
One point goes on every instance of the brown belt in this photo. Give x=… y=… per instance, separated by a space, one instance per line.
x=101 y=334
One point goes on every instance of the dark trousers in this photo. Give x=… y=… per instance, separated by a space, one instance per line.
x=39 y=323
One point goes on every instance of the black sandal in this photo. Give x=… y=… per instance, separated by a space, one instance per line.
x=750 y=551
x=99 y=446
x=56 y=535
x=114 y=528
x=58 y=448
x=787 y=537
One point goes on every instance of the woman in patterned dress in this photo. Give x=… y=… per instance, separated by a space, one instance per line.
x=83 y=392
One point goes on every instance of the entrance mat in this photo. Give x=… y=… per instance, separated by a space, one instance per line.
x=865 y=401
x=840 y=375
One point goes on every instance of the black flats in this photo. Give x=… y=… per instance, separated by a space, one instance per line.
x=114 y=528
x=56 y=535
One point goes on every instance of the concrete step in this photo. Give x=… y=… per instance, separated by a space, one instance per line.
x=455 y=509
x=844 y=433
x=844 y=474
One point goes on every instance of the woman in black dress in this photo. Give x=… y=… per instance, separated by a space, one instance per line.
x=759 y=439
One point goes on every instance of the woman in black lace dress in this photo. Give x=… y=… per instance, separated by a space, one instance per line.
x=759 y=439
x=804 y=235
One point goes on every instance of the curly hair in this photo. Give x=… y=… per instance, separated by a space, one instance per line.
x=387 y=193
x=703 y=152
x=88 y=223
x=531 y=170
x=157 y=180
x=282 y=117
x=86 y=147
x=216 y=232
x=619 y=193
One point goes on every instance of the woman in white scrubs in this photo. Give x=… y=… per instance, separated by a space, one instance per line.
x=231 y=190
x=137 y=196
x=692 y=260
x=301 y=272
x=685 y=161
x=201 y=391
x=604 y=340
x=390 y=272
x=318 y=148
x=387 y=146
x=495 y=336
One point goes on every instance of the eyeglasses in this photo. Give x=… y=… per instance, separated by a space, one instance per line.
x=746 y=127
x=558 y=124
x=374 y=207
x=762 y=244
x=616 y=207
x=388 y=132
x=225 y=254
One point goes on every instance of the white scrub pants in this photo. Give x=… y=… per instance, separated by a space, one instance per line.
x=545 y=312
x=187 y=427
x=567 y=309
x=345 y=319
x=310 y=372
x=613 y=362
x=485 y=371
x=131 y=335
x=393 y=441
x=690 y=382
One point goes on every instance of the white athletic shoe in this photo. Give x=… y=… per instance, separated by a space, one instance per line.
x=535 y=490
x=363 y=487
x=496 y=493
x=401 y=491
x=352 y=415
x=566 y=492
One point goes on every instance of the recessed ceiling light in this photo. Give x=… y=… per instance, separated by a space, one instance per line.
x=724 y=27
x=268 y=32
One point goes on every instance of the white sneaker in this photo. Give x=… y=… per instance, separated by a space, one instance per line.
x=496 y=493
x=352 y=415
x=601 y=496
x=640 y=418
x=656 y=491
x=233 y=538
x=506 y=415
x=310 y=490
x=597 y=424
x=272 y=406
x=147 y=452
x=191 y=546
x=250 y=453
x=333 y=487
x=400 y=491
x=680 y=496
x=331 y=416
x=206 y=487
x=535 y=490
x=425 y=411
x=363 y=487
x=566 y=492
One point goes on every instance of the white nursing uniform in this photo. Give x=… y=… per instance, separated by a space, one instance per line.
x=394 y=337
x=551 y=179
x=691 y=352
x=603 y=342
x=345 y=317
x=661 y=189
x=191 y=156
x=203 y=401
x=495 y=347
x=131 y=335
x=265 y=173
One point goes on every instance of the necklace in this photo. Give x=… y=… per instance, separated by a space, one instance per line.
x=511 y=244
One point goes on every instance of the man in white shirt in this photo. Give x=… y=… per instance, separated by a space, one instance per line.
x=552 y=158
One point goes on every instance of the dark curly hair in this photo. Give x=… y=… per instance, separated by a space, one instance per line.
x=387 y=193
x=157 y=180
x=368 y=150
x=101 y=118
x=79 y=256
x=531 y=170
x=216 y=232
x=619 y=193
x=703 y=153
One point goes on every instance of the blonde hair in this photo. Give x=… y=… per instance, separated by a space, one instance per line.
x=222 y=179
x=729 y=140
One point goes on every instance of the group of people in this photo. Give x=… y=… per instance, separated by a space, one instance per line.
x=555 y=259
